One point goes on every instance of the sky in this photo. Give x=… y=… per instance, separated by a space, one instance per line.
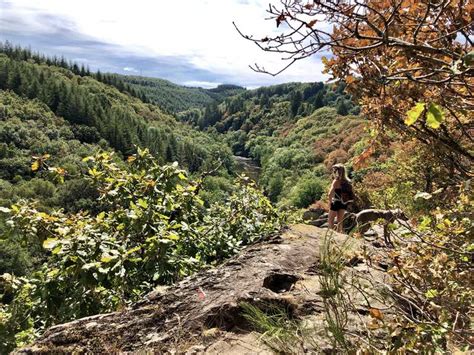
x=189 y=42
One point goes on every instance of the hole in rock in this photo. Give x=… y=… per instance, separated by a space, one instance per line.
x=280 y=283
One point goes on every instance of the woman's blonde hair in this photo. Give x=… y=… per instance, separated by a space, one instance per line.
x=341 y=172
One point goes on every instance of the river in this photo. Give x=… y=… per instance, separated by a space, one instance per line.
x=248 y=167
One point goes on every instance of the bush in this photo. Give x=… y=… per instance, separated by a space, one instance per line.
x=154 y=229
x=306 y=191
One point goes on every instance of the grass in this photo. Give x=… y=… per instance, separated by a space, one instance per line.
x=332 y=281
x=279 y=331
x=284 y=334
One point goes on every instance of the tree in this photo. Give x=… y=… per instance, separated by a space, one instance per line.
x=411 y=66
x=296 y=100
x=342 y=107
x=410 y=63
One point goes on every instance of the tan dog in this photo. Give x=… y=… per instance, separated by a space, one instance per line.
x=365 y=217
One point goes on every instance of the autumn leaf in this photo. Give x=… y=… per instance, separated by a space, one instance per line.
x=280 y=19
x=361 y=160
x=309 y=6
x=373 y=324
x=311 y=23
x=35 y=166
x=414 y=113
x=201 y=294
x=350 y=79
x=376 y=313
x=434 y=116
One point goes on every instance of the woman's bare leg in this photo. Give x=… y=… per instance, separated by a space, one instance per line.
x=340 y=220
x=331 y=217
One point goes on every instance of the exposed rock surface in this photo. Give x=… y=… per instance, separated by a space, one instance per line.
x=201 y=314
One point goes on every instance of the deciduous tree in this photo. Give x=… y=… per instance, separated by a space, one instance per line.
x=409 y=62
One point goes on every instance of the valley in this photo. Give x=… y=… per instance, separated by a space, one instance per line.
x=124 y=210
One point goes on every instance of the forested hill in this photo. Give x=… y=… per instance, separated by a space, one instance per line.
x=175 y=98
x=137 y=197
x=101 y=111
x=295 y=131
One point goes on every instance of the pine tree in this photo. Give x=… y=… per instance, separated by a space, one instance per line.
x=296 y=102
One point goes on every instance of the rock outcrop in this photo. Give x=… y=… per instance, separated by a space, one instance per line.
x=202 y=314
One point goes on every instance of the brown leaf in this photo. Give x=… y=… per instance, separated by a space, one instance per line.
x=350 y=79
x=311 y=23
x=309 y=6
x=373 y=324
x=376 y=313
x=280 y=19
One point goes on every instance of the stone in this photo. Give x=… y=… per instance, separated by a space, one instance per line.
x=281 y=272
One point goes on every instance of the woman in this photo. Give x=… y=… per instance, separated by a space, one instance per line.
x=340 y=196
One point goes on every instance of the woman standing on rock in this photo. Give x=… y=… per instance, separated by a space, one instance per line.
x=340 y=196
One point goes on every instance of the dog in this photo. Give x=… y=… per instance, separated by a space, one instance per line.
x=364 y=218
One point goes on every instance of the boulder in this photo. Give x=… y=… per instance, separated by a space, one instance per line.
x=204 y=314
x=313 y=214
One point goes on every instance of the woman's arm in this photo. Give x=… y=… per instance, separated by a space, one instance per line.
x=331 y=191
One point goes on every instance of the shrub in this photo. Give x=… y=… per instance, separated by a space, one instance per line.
x=306 y=191
x=154 y=229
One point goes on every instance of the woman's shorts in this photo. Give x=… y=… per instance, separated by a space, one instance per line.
x=338 y=205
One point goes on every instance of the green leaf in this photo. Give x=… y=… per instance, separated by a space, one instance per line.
x=53 y=273
x=469 y=59
x=434 y=116
x=133 y=250
x=182 y=176
x=57 y=249
x=414 y=113
x=106 y=258
x=50 y=243
x=142 y=203
x=431 y=293
x=172 y=236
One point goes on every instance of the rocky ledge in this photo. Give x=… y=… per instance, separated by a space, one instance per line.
x=203 y=314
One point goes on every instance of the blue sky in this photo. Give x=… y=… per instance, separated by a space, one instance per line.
x=189 y=42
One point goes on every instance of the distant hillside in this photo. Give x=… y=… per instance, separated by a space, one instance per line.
x=295 y=131
x=176 y=98
x=121 y=119
x=28 y=128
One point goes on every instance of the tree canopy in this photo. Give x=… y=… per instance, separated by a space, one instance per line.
x=409 y=62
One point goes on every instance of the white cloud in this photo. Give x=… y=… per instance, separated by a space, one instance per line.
x=130 y=69
x=202 y=84
x=199 y=31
